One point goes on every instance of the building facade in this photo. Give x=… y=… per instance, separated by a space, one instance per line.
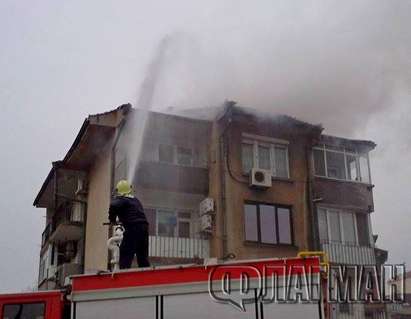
x=234 y=185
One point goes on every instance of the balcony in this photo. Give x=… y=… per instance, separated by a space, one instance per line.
x=67 y=224
x=349 y=254
x=174 y=247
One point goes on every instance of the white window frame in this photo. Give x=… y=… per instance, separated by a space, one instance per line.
x=175 y=213
x=270 y=143
x=357 y=156
x=340 y=219
x=175 y=155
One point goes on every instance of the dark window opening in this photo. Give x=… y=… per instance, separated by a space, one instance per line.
x=268 y=224
x=26 y=311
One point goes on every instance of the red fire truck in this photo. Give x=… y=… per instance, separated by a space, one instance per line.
x=241 y=289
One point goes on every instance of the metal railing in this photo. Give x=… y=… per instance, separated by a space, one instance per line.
x=174 y=247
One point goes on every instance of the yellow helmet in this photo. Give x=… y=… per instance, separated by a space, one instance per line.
x=123 y=188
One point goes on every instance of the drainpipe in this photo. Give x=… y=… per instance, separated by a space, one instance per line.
x=313 y=238
x=223 y=168
x=223 y=193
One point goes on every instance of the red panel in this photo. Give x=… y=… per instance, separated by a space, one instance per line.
x=184 y=274
x=52 y=299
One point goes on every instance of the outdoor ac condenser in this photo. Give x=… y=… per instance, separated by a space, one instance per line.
x=260 y=178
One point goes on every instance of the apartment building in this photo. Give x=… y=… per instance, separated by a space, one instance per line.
x=225 y=183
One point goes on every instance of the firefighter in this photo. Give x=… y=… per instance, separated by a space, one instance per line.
x=130 y=213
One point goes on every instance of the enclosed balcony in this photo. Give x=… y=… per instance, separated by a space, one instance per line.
x=67 y=224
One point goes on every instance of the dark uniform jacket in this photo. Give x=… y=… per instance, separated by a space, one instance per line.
x=128 y=210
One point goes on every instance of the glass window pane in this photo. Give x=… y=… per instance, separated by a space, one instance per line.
x=352 y=168
x=167 y=223
x=284 y=225
x=264 y=157
x=348 y=228
x=26 y=311
x=247 y=157
x=183 y=229
x=363 y=230
x=334 y=225
x=166 y=153
x=184 y=156
x=319 y=164
x=250 y=222
x=322 y=225
x=335 y=165
x=281 y=164
x=365 y=173
x=267 y=224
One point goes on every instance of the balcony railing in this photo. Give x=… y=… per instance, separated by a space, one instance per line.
x=174 y=247
x=349 y=254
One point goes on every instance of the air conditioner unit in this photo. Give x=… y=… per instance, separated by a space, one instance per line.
x=206 y=223
x=206 y=206
x=260 y=178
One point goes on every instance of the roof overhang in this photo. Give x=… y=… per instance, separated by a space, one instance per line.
x=94 y=134
x=360 y=145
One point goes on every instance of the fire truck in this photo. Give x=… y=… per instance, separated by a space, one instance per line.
x=240 y=289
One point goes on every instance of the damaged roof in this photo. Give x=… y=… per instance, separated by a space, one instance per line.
x=364 y=145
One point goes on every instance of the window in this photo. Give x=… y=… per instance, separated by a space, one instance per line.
x=184 y=156
x=335 y=165
x=166 y=153
x=338 y=226
x=334 y=226
x=322 y=225
x=250 y=220
x=173 y=223
x=26 y=311
x=363 y=233
x=175 y=155
x=319 y=162
x=265 y=155
x=166 y=223
x=267 y=224
x=340 y=163
x=247 y=156
x=268 y=229
x=364 y=169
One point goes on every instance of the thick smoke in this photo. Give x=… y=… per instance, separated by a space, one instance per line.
x=345 y=64
x=334 y=63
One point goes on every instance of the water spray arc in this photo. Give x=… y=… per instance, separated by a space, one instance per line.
x=136 y=124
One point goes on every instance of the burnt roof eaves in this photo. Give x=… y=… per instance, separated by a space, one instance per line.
x=125 y=108
x=50 y=175
x=77 y=140
x=266 y=116
x=335 y=140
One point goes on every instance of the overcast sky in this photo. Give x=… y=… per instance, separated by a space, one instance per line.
x=345 y=64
